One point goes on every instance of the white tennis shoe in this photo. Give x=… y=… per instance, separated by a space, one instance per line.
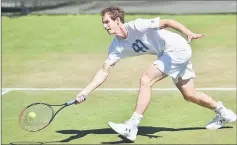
x=127 y=129
x=223 y=116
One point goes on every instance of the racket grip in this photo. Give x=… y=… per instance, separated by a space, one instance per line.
x=74 y=101
x=71 y=102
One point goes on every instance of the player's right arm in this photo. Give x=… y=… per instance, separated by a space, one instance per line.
x=97 y=80
x=102 y=73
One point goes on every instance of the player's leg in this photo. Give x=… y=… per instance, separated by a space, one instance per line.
x=149 y=77
x=223 y=115
x=189 y=93
x=169 y=63
x=129 y=128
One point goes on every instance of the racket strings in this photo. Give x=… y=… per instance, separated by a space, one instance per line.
x=36 y=117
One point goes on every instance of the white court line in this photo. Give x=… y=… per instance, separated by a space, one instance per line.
x=5 y=91
x=112 y=89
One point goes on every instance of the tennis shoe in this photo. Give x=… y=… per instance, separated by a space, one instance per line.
x=128 y=129
x=223 y=116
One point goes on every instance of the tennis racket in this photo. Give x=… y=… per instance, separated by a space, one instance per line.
x=38 y=116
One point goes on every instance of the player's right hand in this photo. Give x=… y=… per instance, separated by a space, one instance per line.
x=80 y=98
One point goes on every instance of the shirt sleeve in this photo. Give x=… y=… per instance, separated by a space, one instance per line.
x=114 y=55
x=144 y=25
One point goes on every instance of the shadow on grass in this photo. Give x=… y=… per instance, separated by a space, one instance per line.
x=143 y=131
x=147 y=131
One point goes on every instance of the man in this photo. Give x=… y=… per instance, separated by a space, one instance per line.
x=148 y=36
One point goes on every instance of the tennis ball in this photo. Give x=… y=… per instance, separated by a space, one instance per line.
x=32 y=115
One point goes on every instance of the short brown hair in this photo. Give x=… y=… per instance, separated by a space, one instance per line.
x=114 y=12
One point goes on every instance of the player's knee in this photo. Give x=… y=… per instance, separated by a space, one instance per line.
x=145 y=81
x=189 y=96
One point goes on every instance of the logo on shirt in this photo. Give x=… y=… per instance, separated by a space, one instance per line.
x=138 y=46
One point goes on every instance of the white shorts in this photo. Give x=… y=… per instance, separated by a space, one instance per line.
x=176 y=63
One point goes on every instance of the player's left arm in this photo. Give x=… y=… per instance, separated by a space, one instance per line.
x=164 y=23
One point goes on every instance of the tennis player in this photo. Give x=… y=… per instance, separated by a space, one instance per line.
x=149 y=36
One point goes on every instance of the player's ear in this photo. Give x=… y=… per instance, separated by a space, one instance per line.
x=117 y=20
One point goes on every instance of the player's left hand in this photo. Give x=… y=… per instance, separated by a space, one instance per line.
x=192 y=36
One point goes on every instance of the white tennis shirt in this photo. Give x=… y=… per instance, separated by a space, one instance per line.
x=144 y=37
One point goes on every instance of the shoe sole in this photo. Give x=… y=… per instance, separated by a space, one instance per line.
x=120 y=133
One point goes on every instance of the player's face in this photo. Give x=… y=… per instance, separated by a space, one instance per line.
x=110 y=25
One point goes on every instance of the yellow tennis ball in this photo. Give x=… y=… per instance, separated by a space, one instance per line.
x=32 y=115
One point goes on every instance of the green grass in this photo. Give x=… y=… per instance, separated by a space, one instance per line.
x=55 y=51
x=65 y=52
x=85 y=33
x=168 y=120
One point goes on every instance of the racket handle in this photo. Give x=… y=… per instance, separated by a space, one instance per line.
x=71 y=102
x=74 y=101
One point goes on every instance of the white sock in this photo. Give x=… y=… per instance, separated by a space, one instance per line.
x=136 y=118
x=219 y=107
